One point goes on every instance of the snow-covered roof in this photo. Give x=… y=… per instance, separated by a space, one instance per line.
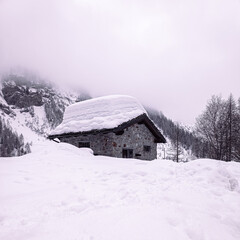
x=99 y=113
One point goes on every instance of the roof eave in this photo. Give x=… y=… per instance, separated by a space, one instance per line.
x=143 y=118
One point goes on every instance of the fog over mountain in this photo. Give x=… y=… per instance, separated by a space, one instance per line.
x=172 y=55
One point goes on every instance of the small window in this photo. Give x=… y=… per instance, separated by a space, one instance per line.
x=84 y=144
x=147 y=148
x=119 y=132
x=127 y=153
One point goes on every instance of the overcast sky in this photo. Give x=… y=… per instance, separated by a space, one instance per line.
x=170 y=54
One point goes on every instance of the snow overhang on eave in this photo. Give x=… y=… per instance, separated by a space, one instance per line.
x=141 y=119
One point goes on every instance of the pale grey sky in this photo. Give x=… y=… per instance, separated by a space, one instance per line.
x=170 y=54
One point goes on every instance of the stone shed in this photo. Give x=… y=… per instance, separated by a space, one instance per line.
x=116 y=126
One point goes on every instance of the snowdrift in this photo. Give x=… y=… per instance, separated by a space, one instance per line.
x=62 y=192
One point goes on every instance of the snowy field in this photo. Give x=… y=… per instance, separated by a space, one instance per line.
x=59 y=192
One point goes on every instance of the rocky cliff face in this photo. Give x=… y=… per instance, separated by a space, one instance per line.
x=26 y=95
x=20 y=93
x=29 y=103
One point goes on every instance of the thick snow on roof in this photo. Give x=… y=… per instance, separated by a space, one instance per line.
x=99 y=113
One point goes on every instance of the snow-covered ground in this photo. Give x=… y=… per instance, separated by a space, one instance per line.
x=65 y=193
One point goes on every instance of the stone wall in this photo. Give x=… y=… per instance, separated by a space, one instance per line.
x=135 y=137
x=111 y=144
x=101 y=143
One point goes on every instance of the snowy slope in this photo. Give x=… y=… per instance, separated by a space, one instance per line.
x=62 y=192
x=37 y=102
x=99 y=113
x=168 y=151
x=3 y=104
x=28 y=126
x=31 y=107
x=2 y=100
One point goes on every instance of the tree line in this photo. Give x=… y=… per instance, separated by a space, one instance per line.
x=11 y=144
x=218 y=127
x=180 y=137
x=216 y=134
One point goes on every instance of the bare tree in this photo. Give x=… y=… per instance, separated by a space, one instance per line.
x=219 y=128
x=176 y=144
x=210 y=126
x=230 y=126
x=236 y=133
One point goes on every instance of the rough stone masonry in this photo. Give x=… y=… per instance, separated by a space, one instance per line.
x=136 y=138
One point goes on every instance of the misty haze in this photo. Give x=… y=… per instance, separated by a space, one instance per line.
x=119 y=119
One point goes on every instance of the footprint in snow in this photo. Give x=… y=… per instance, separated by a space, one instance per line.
x=77 y=208
x=173 y=221
x=141 y=173
x=2 y=218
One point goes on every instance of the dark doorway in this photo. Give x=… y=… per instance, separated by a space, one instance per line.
x=84 y=144
x=146 y=148
x=127 y=153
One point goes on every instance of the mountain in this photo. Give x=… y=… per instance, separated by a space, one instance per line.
x=31 y=107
